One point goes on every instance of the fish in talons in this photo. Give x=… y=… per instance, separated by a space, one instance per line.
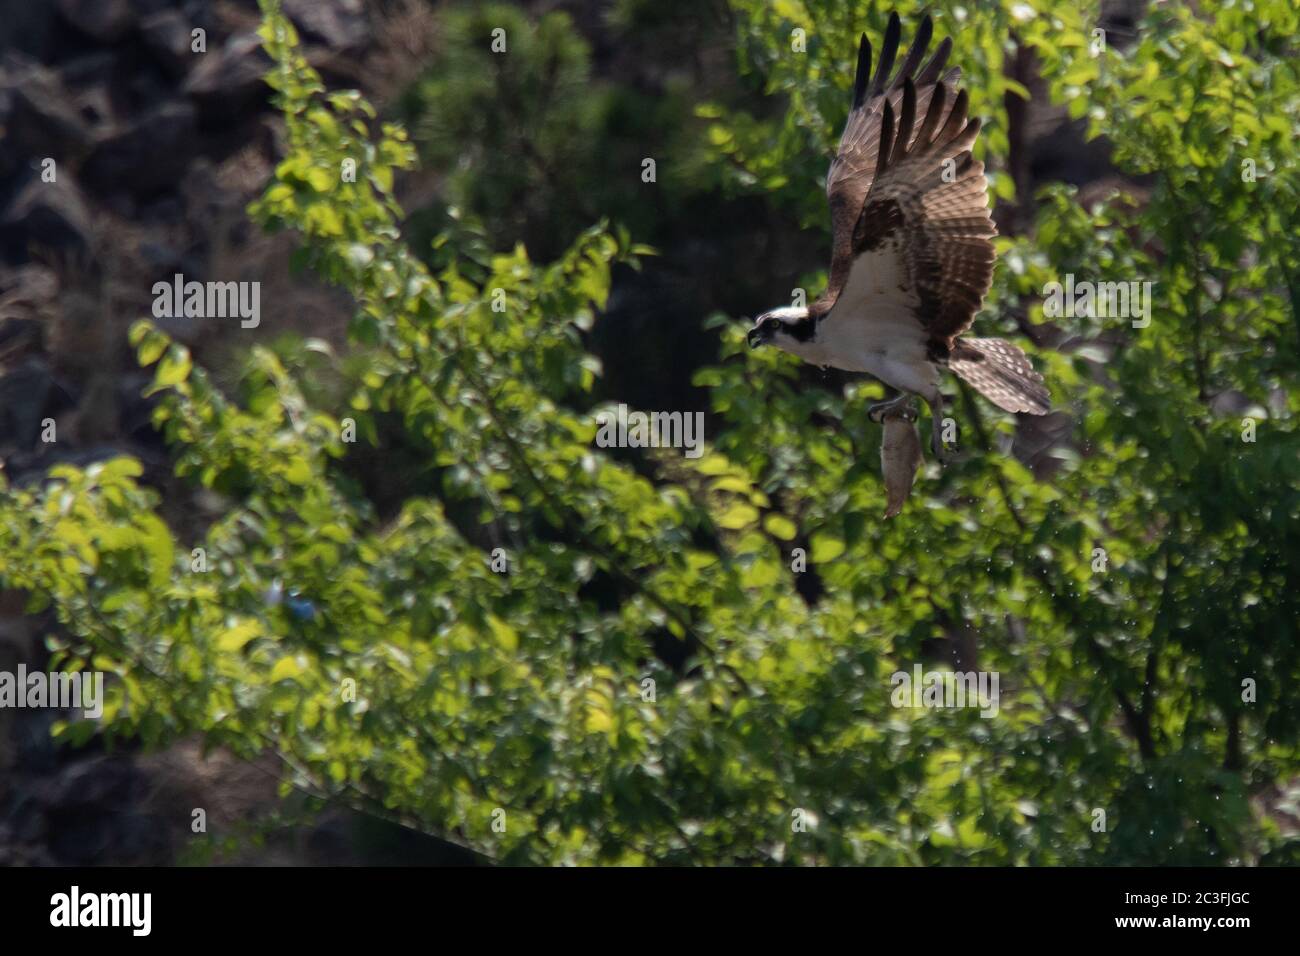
x=900 y=455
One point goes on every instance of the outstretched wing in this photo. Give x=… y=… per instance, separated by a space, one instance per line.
x=920 y=242
x=854 y=167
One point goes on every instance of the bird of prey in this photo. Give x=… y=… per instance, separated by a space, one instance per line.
x=912 y=251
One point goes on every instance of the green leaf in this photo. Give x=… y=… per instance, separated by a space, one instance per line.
x=826 y=548
x=286 y=668
x=738 y=515
x=234 y=638
x=504 y=633
x=780 y=526
x=174 y=368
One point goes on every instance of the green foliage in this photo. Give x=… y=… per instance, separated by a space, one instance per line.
x=500 y=121
x=477 y=691
x=1129 y=682
x=535 y=146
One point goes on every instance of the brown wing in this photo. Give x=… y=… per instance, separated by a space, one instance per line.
x=854 y=167
x=930 y=194
x=925 y=224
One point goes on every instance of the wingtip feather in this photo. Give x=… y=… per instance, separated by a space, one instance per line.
x=888 y=51
x=863 y=75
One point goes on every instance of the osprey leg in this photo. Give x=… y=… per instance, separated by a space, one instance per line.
x=880 y=410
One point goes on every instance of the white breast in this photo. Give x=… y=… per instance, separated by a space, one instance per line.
x=874 y=328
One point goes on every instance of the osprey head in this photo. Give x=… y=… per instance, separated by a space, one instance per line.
x=782 y=328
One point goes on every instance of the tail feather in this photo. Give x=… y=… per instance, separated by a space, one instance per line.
x=1001 y=373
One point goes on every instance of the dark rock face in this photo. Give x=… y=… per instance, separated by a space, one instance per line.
x=339 y=24
x=147 y=156
x=28 y=28
x=228 y=81
x=51 y=214
x=168 y=34
x=73 y=818
x=105 y=20
x=40 y=115
x=25 y=393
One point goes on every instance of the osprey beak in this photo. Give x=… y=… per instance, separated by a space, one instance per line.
x=755 y=337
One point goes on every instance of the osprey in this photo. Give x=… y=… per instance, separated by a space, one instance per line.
x=912 y=252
